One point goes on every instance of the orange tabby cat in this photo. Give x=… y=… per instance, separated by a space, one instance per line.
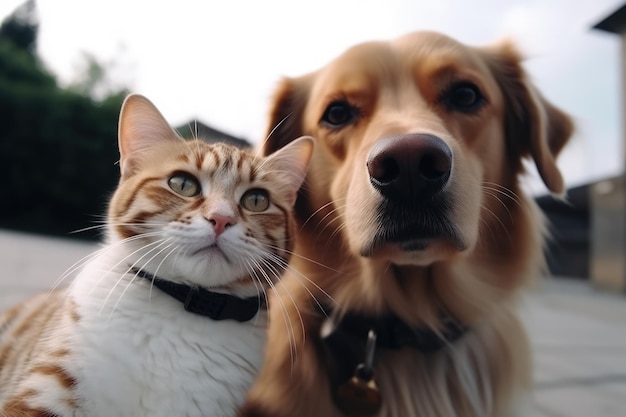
x=167 y=319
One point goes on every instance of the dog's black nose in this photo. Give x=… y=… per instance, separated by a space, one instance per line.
x=410 y=167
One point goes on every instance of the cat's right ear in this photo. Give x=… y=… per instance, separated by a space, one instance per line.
x=293 y=161
x=141 y=126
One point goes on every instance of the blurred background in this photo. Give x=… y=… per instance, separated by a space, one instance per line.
x=66 y=65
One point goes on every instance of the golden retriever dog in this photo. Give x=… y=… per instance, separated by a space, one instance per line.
x=415 y=236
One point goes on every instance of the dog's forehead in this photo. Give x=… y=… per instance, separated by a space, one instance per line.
x=428 y=42
x=369 y=63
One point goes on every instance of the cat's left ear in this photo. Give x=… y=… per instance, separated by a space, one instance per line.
x=141 y=126
x=293 y=160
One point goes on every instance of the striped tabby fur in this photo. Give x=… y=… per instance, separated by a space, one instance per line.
x=112 y=344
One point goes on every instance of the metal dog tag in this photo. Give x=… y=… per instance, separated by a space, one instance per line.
x=360 y=395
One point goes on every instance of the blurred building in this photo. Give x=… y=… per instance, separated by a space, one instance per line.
x=586 y=236
x=196 y=129
x=608 y=198
x=569 y=223
x=589 y=229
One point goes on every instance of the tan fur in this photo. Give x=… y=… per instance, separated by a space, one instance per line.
x=397 y=87
x=33 y=340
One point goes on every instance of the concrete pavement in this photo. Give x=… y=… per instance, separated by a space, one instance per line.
x=579 y=339
x=578 y=333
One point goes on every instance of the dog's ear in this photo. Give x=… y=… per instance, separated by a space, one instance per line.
x=533 y=125
x=286 y=111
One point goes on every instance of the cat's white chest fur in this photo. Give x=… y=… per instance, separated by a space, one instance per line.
x=139 y=353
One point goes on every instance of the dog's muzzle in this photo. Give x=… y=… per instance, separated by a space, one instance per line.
x=411 y=173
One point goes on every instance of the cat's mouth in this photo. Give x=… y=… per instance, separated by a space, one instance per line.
x=211 y=250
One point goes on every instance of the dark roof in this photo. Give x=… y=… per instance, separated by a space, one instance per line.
x=614 y=23
x=577 y=199
x=209 y=134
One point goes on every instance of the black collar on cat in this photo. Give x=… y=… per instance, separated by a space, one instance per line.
x=215 y=305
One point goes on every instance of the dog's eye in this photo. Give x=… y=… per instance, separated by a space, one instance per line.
x=464 y=97
x=339 y=113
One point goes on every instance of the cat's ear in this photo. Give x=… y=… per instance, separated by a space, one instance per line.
x=293 y=160
x=141 y=126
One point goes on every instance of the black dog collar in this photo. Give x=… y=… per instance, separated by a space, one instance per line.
x=215 y=305
x=393 y=333
x=351 y=341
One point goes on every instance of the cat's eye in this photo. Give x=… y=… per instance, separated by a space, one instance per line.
x=184 y=184
x=255 y=200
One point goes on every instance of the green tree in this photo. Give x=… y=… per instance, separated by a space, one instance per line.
x=21 y=27
x=58 y=147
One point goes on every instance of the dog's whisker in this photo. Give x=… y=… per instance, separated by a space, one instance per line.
x=338 y=230
x=489 y=193
x=299 y=276
x=329 y=223
x=503 y=227
x=504 y=191
x=300 y=256
x=323 y=207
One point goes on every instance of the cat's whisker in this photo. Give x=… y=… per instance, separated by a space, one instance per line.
x=289 y=326
x=100 y=252
x=269 y=135
x=106 y=225
x=158 y=268
x=158 y=243
x=87 y=229
x=73 y=268
x=137 y=273
x=271 y=267
x=192 y=145
x=120 y=262
x=258 y=285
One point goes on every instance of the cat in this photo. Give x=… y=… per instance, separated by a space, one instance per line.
x=193 y=230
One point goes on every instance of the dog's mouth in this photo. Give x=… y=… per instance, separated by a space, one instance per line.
x=413 y=228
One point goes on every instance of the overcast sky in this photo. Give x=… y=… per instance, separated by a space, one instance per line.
x=218 y=61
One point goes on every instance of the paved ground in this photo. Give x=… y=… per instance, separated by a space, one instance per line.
x=579 y=338
x=578 y=333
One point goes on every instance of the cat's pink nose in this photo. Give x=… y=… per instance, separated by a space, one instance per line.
x=220 y=223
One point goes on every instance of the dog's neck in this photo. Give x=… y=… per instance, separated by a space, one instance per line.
x=351 y=341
